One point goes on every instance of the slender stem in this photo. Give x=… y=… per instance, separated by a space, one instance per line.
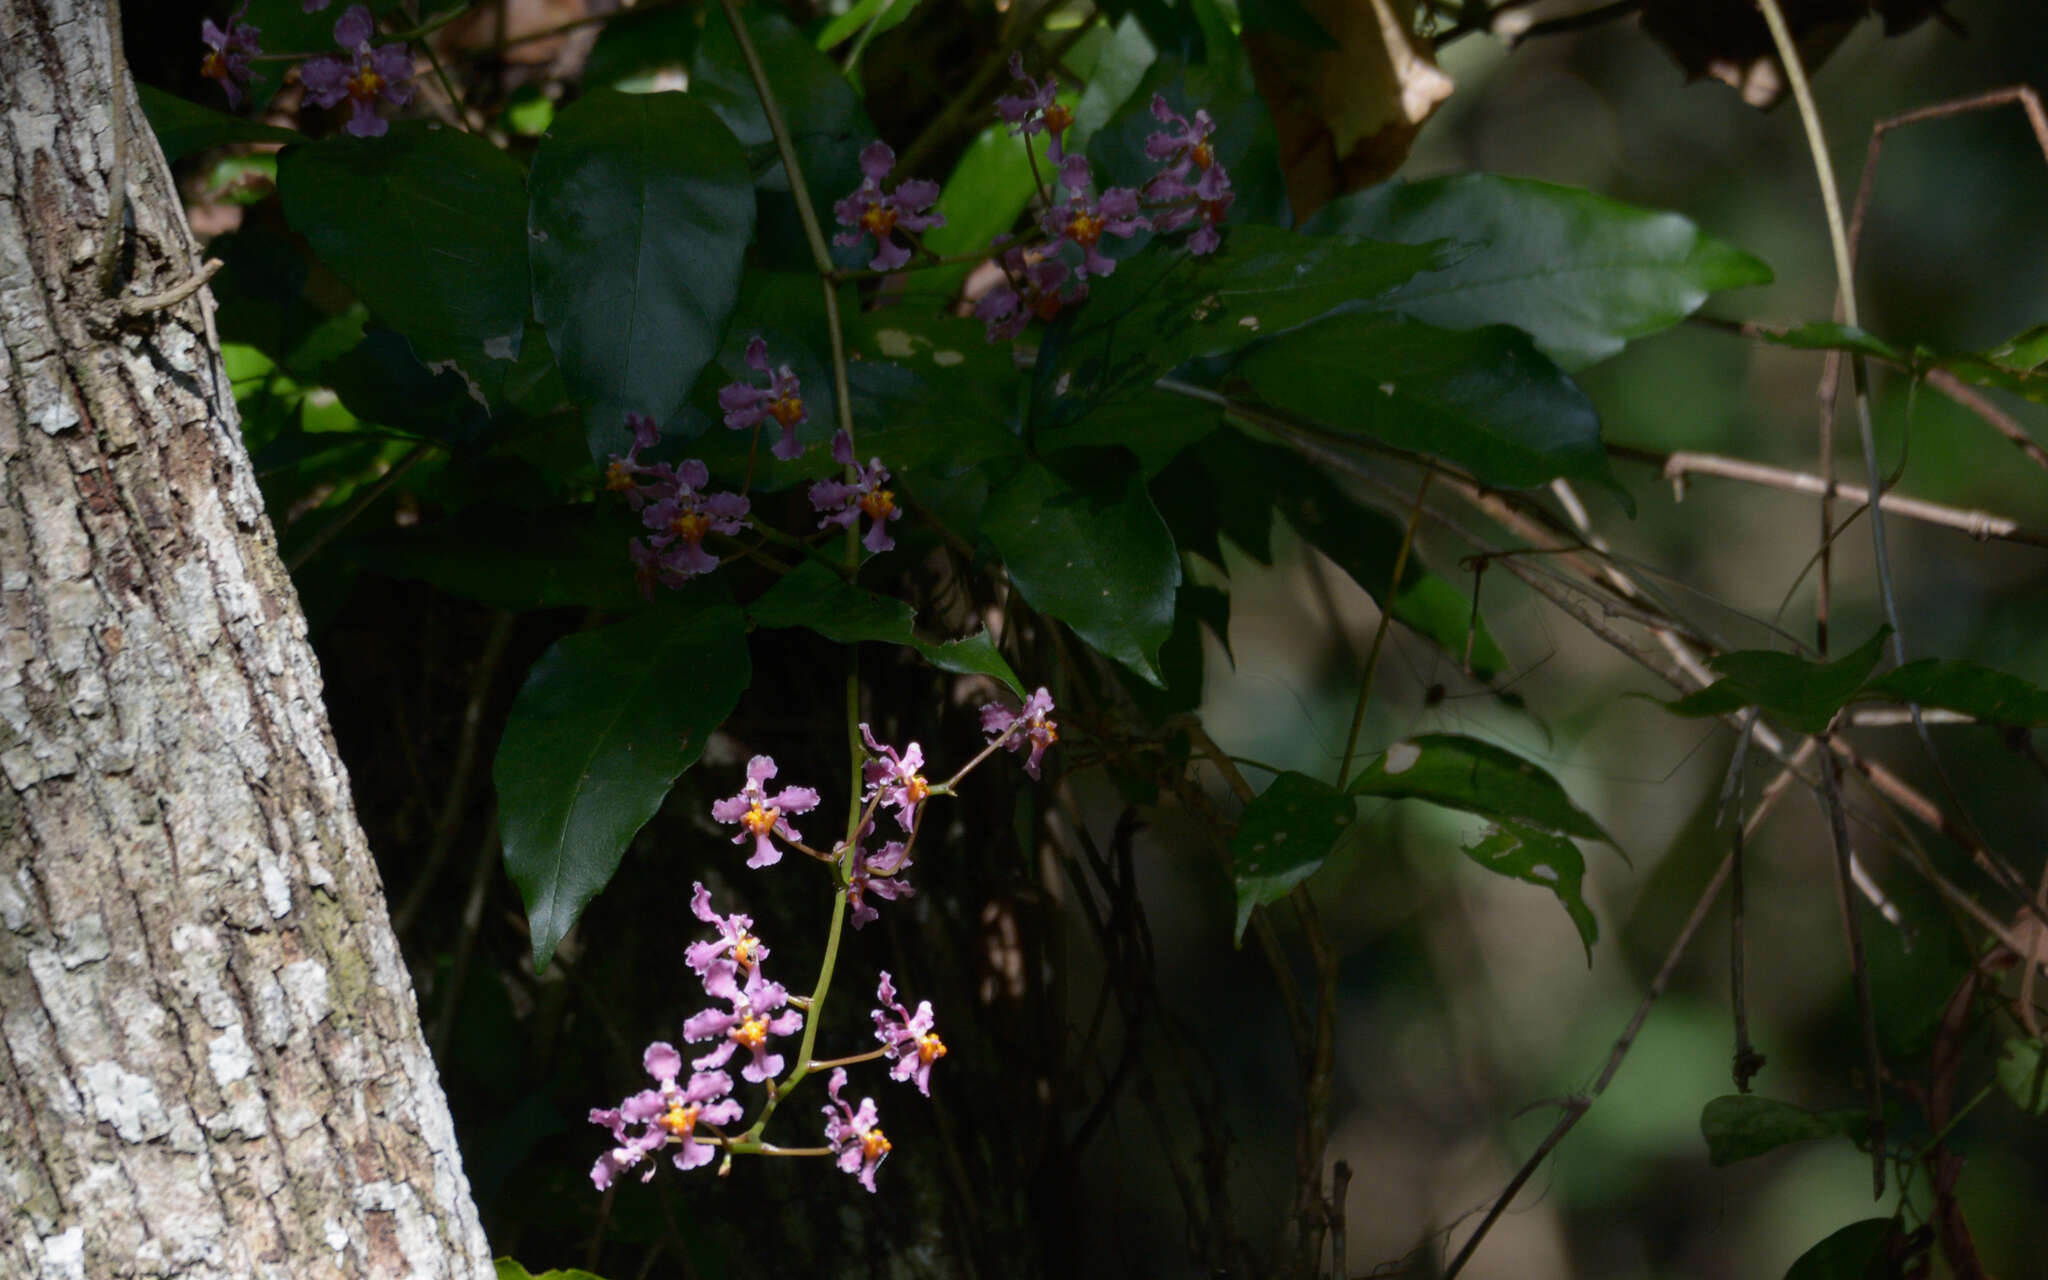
x=1845 y=274
x=1379 y=637
x=814 y=235
x=850 y=1059
x=1873 y=1085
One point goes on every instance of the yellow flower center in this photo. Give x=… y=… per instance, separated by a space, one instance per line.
x=1057 y=118
x=680 y=1119
x=365 y=83
x=690 y=526
x=214 y=65
x=930 y=1048
x=759 y=820
x=1084 y=230
x=1202 y=155
x=786 y=410
x=880 y=219
x=1052 y=733
x=752 y=1033
x=917 y=788
x=617 y=479
x=873 y=1145
x=878 y=503
x=743 y=950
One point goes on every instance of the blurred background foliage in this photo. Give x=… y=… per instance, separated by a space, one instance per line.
x=1467 y=1010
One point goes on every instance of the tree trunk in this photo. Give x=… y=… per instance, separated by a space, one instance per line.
x=210 y=1056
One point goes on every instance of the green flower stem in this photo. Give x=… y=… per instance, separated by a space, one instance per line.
x=455 y=104
x=814 y=235
x=849 y=1060
x=428 y=26
x=1379 y=636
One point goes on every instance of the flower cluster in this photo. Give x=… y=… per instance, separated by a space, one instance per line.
x=746 y=405
x=852 y=1135
x=676 y=508
x=907 y=1038
x=1012 y=730
x=231 y=50
x=843 y=503
x=667 y=1114
x=1184 y=151
x=362 y=75
x=868 y=211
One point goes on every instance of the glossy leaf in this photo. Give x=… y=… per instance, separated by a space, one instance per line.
x=1739 y=1126
x=2019 y=365
x=1855 y=1252
x=974 y=655
x=826 y=120
x=1541 y=858
x=1835 y=336
x=1477 y=777
x=1805 y=695
x=1956 y=685
x=1101 y=561
x=874 y=17
x=2024 y=1076
x=606 y=722
x=641 y=209
x=426 y=225
x=1164 y=308
x=1484 y=399
x=183 y=127
x=815 y=597
x=1580 y=273
x=635 y=44
x=513 y=559
x=1283 y=837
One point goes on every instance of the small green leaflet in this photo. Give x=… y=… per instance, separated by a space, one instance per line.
x=1284 y=835
x=1738 y=1126
x=1805 y=695
x=1956 y=685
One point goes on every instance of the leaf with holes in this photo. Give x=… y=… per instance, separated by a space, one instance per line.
x=1464 y=773
x=1541 y=858
x=1284 y=835
x=605 y=724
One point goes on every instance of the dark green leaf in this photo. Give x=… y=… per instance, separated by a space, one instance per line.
x=1484 y=399
x=1580 y=273
x=642 y=208
x=1741 y=1125
x=1856 y=1252
x=1289 y=18
x=1102 y=562
x=1478 y=777
x=513 y=559
x=1956 y=685
x=1541 y=858
x=2024 y=1076
x=605 y=724
x=813 y=596
x=1164 y=308
x=932 y=392
x=826 y=123
x=382 y=381
x=1283 y=837
x=2019 y=365
x=183 y=127
x=1805 y=695
x=426 y=225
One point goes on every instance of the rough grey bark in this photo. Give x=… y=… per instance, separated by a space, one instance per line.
x=210 y=1055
